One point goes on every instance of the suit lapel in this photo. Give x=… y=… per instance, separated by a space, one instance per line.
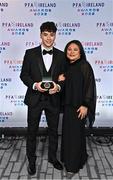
x=54 y=61
x=39 y=59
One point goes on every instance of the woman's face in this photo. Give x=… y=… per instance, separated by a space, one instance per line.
x=73 y=52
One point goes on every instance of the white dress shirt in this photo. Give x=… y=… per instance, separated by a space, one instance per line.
x=47 y=58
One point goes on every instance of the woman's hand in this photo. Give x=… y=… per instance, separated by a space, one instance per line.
x=61 y=77
x=82 y=112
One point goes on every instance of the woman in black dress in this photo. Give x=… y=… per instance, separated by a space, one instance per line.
x=79 y=106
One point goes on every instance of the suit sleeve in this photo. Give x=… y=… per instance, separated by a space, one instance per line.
x=25 y=71
x=62 y=71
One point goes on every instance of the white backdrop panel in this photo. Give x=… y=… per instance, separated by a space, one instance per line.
x=89 y=21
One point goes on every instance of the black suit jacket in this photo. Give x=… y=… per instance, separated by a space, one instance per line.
x=32 y=71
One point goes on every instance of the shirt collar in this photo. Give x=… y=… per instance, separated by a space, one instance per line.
x=42 y=48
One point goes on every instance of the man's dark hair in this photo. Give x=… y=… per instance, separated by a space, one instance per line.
x=48 y=26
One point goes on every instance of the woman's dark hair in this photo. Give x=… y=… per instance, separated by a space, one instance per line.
x=79 y=44
x=48 y=26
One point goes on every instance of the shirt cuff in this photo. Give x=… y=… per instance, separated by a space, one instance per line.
x=34 y=87
x=59 y=88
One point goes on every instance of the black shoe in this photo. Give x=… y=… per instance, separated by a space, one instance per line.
x=31 y=169
x=56 y=164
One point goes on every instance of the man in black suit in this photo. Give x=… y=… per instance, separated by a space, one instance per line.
x=41 y=68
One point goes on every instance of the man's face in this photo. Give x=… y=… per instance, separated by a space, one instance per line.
x=48 y=38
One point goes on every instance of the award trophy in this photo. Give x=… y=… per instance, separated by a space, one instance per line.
x=47 y=83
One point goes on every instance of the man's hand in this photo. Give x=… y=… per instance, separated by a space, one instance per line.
x=61 y=77
x=82 y=112
x=38 y=87
x=55 y=89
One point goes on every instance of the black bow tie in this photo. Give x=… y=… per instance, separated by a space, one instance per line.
x=47 y=52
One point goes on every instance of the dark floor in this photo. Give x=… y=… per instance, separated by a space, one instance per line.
x=13 y=163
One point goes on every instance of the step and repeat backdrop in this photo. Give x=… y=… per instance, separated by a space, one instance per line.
x=90 y=21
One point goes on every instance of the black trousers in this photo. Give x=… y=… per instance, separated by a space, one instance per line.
x=52 y=117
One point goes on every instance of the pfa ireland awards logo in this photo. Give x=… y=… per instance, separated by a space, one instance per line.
x=88 y=8
x=67 y=28
x=17 y=28
x=40 y=8
x=105 y=27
